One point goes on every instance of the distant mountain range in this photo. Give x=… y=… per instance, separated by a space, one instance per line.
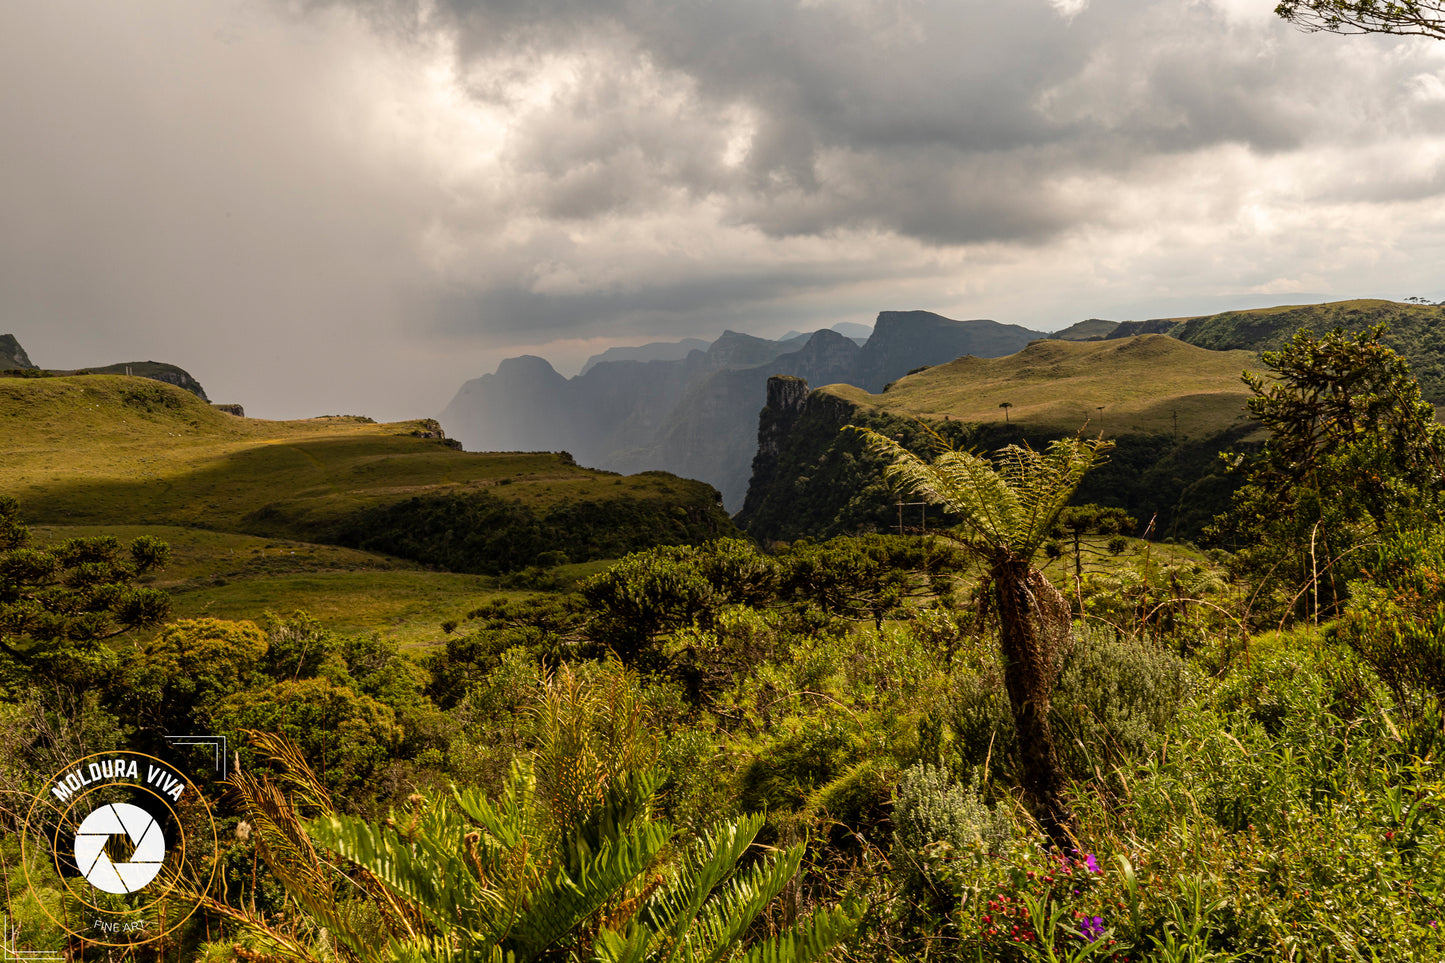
x=693 y=411
x=696 y=415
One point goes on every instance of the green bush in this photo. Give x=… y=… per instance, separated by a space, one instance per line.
x=937 y=824
x=971 y=726
x=175 y=684
x=1396 y=619
x=348 y=737
x=1114 y=701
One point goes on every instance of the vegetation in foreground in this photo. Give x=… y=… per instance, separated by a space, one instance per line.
x=1250 y=762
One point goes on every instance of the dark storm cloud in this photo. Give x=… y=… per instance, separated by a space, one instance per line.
x=317 y=202
x=707 y=301
x=949 y=122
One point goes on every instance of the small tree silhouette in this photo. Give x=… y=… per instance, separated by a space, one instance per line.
x=1005 y=405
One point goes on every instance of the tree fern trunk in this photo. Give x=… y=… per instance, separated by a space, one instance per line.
x=1030 y=635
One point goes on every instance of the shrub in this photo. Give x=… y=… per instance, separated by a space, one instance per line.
x=1114 y=700
x=1396 y=621
x=936 y=822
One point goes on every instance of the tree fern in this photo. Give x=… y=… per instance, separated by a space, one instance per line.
x=1005 y=511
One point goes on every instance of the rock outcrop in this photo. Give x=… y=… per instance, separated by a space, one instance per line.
x=12 y=356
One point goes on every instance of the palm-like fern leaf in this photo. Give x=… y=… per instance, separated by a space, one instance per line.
x=1008 y=508
x=1044 y=482
x=962 y=482
x=812 y=941
x=434 y=878
x=564 y=901
x=726 y=917
x=706 y=911
x=660 y=932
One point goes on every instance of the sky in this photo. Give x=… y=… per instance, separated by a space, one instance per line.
x=354 y=207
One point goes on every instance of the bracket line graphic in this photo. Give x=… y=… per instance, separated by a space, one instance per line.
x=10 y=946
x=217 y=742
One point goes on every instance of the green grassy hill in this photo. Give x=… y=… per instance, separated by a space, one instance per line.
x=111 y=450
x=230 y=576
x=1086 y=330
x=1415 y=331
x=154 y=370
x=1149 y=384
x=1170 y=408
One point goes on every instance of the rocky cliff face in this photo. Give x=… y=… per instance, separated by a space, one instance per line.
x=810 y=477
x=786 y=397
x=12 y=355
x=712 y=432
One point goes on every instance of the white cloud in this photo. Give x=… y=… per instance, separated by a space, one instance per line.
x=1069 y=9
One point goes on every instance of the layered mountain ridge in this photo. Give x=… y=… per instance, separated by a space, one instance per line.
x=697 y=416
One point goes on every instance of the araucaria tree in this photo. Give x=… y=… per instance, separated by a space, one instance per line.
x=1354 y=452
x=1005 y=511
x=58 y=605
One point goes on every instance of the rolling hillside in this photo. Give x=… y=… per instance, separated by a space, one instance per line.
x=108 y=450
x=1415 y=331
x=1148 y=384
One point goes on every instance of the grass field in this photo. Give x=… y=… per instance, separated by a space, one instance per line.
x=111 y=449
x=113 y=455
x=1149 y=384
x=232 y=576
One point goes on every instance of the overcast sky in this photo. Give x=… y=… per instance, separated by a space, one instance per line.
x=355 y=206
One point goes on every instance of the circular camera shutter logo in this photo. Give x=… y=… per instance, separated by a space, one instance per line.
x=133 y=843
x=133 y=823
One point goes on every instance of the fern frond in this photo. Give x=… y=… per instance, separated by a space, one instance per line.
x=433 y=877
x=709 y=863
x=1044 y=482
x=1008 y=508
x=726 y=917
x=634 y=946
x=809 y=942
x=963 y=483
x=564 y=901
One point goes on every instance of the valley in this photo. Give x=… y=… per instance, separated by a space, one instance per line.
x=385 y=627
